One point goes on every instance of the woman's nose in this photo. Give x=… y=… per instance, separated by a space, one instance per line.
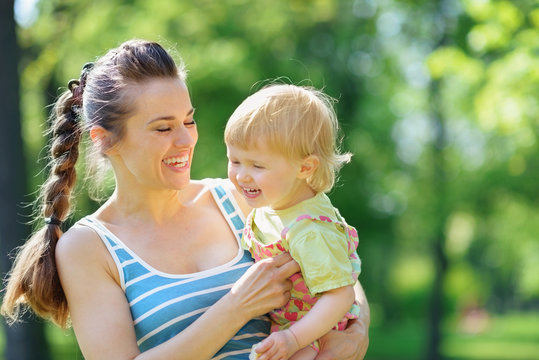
x=184 y=137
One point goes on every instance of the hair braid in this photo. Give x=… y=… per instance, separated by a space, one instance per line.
x=38 y=284
x=64 y=152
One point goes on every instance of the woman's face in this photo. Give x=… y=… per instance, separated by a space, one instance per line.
x=157 y=147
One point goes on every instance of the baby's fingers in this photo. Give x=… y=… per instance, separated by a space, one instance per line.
x=263 y=346
x=266 y=349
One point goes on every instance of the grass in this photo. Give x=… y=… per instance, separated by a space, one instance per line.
x=513 y=336
x=502 y=337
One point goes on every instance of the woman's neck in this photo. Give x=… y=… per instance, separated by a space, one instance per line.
x=142 y=206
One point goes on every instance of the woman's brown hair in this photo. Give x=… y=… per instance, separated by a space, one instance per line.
x=100 y=97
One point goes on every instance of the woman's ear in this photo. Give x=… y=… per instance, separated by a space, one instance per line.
x=102 y=138
x=308 y=166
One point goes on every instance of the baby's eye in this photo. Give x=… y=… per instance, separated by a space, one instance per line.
x=256 y=166
x=163 y=129
x=192 y=122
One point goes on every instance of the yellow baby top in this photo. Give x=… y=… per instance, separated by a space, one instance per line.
x=321 y=248
x=319 y=239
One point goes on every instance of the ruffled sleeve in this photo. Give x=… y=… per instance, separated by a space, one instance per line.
x=321 y=251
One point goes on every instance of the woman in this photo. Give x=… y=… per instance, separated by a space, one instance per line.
x=156 y=272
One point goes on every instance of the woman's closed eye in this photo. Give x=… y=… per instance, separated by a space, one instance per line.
x=191 y=118
x=167 y=128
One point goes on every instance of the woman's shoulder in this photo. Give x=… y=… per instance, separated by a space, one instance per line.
x=77 y=240
x=79 y=243
x=81 y=251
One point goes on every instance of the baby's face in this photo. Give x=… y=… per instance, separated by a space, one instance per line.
x=264 y=176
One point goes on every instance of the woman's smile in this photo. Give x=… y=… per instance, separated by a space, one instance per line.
x=178 y=162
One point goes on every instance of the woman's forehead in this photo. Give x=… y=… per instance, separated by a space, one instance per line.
x=161 y=97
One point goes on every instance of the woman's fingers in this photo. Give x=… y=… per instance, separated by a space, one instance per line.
x=350 y=344
x=266 y=285
x=286 y=266
x=288 y=269
x=280 y=259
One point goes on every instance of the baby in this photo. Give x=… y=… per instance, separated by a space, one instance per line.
x=283 y=158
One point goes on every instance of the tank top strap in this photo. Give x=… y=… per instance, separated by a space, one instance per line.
x=228 y=206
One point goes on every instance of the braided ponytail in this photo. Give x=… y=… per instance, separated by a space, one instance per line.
x=34 y=279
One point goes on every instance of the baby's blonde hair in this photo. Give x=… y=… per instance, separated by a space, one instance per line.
x=296 y=121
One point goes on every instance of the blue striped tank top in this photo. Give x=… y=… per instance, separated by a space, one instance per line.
x=162 y=305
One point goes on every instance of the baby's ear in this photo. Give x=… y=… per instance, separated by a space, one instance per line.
x=102 y=138
x=308 y=166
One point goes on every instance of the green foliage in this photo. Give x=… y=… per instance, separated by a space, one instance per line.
x=382 y=61
x=493 y=83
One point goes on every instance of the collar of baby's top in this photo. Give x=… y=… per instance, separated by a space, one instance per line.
x=293 y=208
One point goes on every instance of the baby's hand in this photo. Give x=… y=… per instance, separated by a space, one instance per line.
x=279 y=345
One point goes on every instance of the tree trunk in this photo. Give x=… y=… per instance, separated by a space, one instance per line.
x=440 y=207
x=26 y=340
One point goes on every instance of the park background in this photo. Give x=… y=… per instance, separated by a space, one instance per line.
x=438 y=101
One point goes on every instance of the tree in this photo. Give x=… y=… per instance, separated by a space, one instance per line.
x=25 y=341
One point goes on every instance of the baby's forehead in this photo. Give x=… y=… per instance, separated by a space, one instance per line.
x=258 y=143
x=262 y=145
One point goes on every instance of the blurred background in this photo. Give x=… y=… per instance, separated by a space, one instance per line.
x=438 y=101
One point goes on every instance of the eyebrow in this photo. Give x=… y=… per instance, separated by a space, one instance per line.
x=168 y=118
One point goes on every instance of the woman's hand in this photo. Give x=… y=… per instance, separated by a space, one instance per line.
x=265 y=286
x=349 y=344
